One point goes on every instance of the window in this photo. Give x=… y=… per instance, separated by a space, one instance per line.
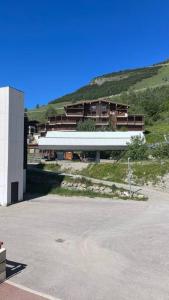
x=93 y=107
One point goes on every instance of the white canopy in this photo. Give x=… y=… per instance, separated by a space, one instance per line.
x=87 y=141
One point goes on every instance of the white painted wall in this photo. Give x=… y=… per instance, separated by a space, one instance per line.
x=11 y=142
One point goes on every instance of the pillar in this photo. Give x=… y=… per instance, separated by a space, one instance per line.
x=97 y=156
x=11 y=145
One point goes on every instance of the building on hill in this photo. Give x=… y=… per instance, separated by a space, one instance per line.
x=106 y=114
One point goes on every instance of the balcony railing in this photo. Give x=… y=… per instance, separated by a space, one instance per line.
x=62 y=120
x=94 y=115
x=131 y=120
x=74 y=114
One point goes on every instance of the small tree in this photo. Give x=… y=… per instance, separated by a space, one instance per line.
x=137 y=149
x=37 y=106
x=50 y=112
x=87 y=125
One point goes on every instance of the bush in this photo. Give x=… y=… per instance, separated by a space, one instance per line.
x=50 y=112
x=137 y=149
x=87 y=125
x=161 y=151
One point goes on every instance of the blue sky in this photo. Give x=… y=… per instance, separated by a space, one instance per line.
x=49 y=48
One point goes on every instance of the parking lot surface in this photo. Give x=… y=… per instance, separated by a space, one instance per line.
x=89 y=249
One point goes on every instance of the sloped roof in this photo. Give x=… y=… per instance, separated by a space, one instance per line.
x=96 y=100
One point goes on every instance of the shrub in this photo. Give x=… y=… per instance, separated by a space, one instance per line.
x=50 y=112
x=87 y=125
x=137 y=149
x=160 y=151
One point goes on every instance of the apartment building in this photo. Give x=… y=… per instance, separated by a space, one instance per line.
x=104 y=112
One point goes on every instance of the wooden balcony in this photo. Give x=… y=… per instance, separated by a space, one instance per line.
x=61 y=120
x=92 y=115
x=132 y=120
x=74 y=112
x=79 y=114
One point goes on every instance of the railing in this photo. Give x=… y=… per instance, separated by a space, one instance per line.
x=94 y=115
x=131 y=120
x=62 y=120
x=75 y=112
x=118 y=115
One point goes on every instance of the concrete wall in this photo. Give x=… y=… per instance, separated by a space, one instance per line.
x=11 y=142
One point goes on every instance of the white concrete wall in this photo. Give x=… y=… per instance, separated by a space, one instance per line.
x=11 y=142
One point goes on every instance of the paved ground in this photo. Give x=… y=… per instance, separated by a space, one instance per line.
x=10 y=292
x=88 y=249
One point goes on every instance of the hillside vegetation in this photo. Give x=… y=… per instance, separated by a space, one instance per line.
x=110 y=84
x=146 y=90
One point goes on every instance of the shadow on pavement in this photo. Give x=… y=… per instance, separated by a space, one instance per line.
x=13 y=268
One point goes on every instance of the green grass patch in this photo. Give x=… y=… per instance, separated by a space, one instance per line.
x=115 y=172
x=150 y=172
x=157 y=132
x=161 y=77
x=53 y=167
x=143 y=172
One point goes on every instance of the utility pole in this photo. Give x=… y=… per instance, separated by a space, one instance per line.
x=129 y=176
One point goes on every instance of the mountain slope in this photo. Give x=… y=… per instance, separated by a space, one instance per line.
x=111 y=84
x=146 y=90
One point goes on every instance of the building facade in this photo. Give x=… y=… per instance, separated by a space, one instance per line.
x=104 y=113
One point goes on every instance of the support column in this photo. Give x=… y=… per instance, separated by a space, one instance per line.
x=97 y=156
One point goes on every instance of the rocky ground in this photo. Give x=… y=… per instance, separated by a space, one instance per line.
x=102 y=189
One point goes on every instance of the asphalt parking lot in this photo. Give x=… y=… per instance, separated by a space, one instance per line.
x=89 y=249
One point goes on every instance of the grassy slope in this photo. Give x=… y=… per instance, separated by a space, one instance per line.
x=39 y=114
x=157 y=132
x=162 y=77
x=116 y=83
x=53 y=185
x=142 y=172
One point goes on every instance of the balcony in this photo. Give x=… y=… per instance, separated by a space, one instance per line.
x=94 y=115
x=75 y=112
x=122 y=115
x=132 y=120
x=62 y=120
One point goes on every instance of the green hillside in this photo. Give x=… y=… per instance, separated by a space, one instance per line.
x=111 y=84
x=146 y=90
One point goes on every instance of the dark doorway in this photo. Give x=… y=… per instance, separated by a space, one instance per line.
x=14 y=192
